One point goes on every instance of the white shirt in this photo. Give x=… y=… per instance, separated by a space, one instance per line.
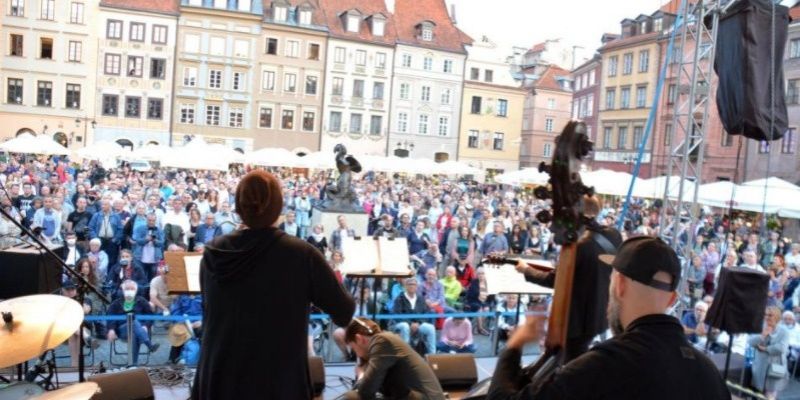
x=794 y=334
x=180 y=219
x=792 y=259
x=413 y=300
x=754 y=267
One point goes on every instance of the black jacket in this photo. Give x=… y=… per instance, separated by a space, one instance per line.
x=258 y=286
x=140 y=307
x=587 y=314
x=651 y=360
x=403 y=306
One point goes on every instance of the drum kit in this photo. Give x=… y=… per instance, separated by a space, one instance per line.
x=31 y=326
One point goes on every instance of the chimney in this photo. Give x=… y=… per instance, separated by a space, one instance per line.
x=453 y=13
x=390 y=6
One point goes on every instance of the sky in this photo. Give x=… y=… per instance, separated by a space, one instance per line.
x=527 y=22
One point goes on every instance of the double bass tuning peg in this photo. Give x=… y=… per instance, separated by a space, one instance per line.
x=544 y=216
x=544 y=168
x=542 y=193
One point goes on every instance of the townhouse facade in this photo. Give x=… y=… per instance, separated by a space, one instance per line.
x=586 y=93
x=547 y=109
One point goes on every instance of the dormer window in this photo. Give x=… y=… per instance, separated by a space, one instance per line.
x=658 y=25
x=279 y=13
x=425 y=31
x=643 y=27
x=427 y=34
x=305 y=17
x=352 y=23
x=378 y=24
x=221 y=4
x=244 y=5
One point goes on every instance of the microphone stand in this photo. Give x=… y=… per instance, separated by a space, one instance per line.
x=83 y=285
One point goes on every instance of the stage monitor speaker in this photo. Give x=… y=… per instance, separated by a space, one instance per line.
x=454 y=371
x=740 y=301
x=132 y=384
x=317 y=369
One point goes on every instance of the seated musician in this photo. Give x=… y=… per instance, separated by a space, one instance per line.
x=410 y=303
x=388 y=365
x=137 y=305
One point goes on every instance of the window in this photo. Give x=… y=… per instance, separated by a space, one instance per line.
x=548 y=124
x=17 y=8
x=135 y=66
x=446 y=96
x=355 y=123
x=187 y=113
x=358 y=88
x=241 y=48
x=612 y=66
x=311 y=85
x=48 y=10
x=290 y=83
x=627 y=63
x=474 y=74
x=75 y=51
x=638 y=135
x=677 y=55
x=235 y=118
x=44 y=94
x=191 y=44
x=472 y=141
x=548 y=150
x=591 y=78
x=427 y=63
x=763 y=147
x=402 y=122
x=305 y=17
x=14 y=92
x=265 y=117
x=590 y=105
x=375 y=123
x=475 y=108
x=292 y=48
x=792 y=91
x=606 y=138
x=158 y=68
x=137 y=32
x=551 y=104
x=444 y=126
x=110 y=104
x=644 y=60
x=377 y=91
x=789 y=142
x=502 y=108
x=238 y=81
x=73 y=99
x=448 y=66
x=190 y=76
x=488 y=75
x=622 y=138
x=641 y=96
x=625 y=98
x=378 y=27
x=658 y=25
x=113 y=29
x=427 y=34
x=425 y=93
x=672 y=93
x=668 y=132
x=313 y=51
x=338 y=86
x=76 y=13
x=217 y=46
x=16 y=45
x=339 y=55
x=46 y=48
x=268 y=80
x=272 y=46
x=407 y=60
x=352 y=23
x=280 y=14
x=422 y=127
x=133 y=107
x=380 y=60
x=212 y=115
x=727 y=139
x=308 y=121
x=215 y=79
x=405 y=91
x=335 y=123
x=155 y=108
x=159 y=35
x=611 y=98
x=794 y=48
x=497 y=142
x=361 y=57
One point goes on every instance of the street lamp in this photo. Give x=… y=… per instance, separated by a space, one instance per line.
x=404 y=148
x=85 y=127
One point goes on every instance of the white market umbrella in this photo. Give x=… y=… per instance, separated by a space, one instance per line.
x=272 y=157
x=102 y=151
x=150 y=152
x=606 y=181
x=772 y=183
x=226 y=153
x=197 y=154
x=526 y=176
x=653 y=188
x=458 y=168
x=29 y=144
x=747 y=198
x=318 y=160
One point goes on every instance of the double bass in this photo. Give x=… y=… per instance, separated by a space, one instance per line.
x=565 y=190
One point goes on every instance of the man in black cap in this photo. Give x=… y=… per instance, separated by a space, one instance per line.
x=648 y=357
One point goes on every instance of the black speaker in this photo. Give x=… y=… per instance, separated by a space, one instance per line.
x=740 y=301
x=454 y=371
x=317 y=370
x=132 y=384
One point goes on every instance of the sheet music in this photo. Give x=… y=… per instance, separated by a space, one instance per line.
x=360 y=255
x=192 y=264
x=394 y=256
x=505 y=279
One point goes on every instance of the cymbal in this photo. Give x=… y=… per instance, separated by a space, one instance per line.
x=40 y=323
x=78 y=391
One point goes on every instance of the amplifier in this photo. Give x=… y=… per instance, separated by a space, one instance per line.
x=26 y=271
x=454 y=371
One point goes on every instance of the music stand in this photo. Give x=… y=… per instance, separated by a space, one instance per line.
x=184 y=272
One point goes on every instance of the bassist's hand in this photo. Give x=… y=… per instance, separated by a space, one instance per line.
x=532 y=331
x=521 y=266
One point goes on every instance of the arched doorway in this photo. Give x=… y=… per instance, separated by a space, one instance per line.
x=26 y=130
x=152 y=143
x=441 y=157
x=125 y=143
x=61 y=138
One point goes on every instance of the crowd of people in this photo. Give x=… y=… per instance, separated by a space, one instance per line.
x=115 y=224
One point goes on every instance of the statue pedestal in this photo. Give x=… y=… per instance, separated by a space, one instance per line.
x=329 y=220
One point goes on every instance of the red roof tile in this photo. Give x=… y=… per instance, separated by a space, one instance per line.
x=317 y=16
x=332 y=9
x=410 y=13
x=539 y=47
x=159 y=6
x=794 y=13
x=548 y=79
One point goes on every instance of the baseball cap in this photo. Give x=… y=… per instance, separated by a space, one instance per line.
x=641 y=257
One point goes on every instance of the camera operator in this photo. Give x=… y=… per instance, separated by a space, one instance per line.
x=148 y=248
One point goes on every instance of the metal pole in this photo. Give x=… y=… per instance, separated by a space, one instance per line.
x=131 y=338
